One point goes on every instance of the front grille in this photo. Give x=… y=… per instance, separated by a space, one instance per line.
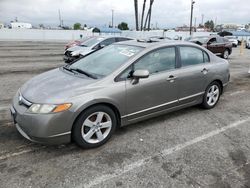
x=68 y=53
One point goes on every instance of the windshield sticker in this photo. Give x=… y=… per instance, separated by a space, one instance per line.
x=127 y=53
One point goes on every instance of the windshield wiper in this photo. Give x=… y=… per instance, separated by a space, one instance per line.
x=79 y=71
x=83 y=72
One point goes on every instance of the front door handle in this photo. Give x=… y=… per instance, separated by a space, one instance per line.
x=204 y=71
x=171 y=78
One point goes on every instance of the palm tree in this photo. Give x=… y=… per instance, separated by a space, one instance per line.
x=149 y=12
x=142 y=15
x=136 y=15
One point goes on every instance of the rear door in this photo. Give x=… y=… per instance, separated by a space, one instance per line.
x=192 y=74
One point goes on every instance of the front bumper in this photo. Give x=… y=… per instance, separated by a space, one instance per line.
x=70 y=59
x=54 y=128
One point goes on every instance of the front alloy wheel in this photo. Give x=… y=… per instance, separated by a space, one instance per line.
x=94 y=126
x=212 y=95
x=225 y=54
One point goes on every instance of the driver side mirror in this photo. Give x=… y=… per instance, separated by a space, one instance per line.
x=139 y=74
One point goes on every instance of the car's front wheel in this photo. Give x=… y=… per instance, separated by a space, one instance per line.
x=94 y=126
x=225 y=54
x=212 y=95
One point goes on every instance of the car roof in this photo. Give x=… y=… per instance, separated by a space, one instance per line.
x=152 y=44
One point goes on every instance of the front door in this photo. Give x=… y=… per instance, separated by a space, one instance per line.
x=157 y=92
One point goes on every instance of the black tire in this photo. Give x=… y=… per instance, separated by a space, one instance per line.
x=205 y=103
x=225 y=54
x=77 y=127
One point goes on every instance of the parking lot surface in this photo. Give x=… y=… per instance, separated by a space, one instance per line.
x=189 y=148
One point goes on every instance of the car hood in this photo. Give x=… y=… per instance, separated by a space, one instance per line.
x=75 y=48
x=55 y=87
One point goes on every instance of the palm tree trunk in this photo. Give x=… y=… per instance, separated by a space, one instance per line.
x=136 y=15
x=149 y=12
x=142 y=15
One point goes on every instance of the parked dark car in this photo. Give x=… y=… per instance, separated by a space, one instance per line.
x=89 y=46
x=216 y=44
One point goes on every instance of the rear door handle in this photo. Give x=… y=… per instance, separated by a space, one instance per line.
x=171 y=78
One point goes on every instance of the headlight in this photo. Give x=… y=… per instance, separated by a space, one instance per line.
x=76 y=53
x=48 y=108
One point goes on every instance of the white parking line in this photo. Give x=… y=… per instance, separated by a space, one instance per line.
x=142 y=162
x=15 y=154
x=237 y=92
x=5 y=107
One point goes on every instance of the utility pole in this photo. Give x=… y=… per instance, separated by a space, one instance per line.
x=112 y=18
x=202 y=19
x=191 y=18
x=60 y=20
x=136 y=15
x=195 y=24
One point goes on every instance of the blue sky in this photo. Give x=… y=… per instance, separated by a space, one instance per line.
x=166 y=13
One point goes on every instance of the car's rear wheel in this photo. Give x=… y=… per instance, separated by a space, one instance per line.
x=225 y=54
x=212 y=95
x=94 y=127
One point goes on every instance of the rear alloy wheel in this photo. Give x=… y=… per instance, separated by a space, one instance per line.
x=94 y=127
x=225 y=55
x=212 y=95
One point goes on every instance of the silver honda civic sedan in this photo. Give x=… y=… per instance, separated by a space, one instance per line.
x=121 y=84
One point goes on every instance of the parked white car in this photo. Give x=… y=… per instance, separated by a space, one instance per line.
x=233 y=40
x=248 y=44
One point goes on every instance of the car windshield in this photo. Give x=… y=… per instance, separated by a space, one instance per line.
x=105 y=61
x=92 y=41
x=202 y=40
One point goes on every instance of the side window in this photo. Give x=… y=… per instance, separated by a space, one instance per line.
x=220 y=40
x=157 y=61
x=206 y=57
x=107 y=41
x=212 y=40
x=191 y=56
x=126 y=73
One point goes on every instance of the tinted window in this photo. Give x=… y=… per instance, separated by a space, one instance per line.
x=108 y=41
x=157 y=61
x=119 y=39
x=220 y=40
x=212 y=40
x=191 y=56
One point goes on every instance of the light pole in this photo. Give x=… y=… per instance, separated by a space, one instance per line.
x=112 y=18
x=191 y=18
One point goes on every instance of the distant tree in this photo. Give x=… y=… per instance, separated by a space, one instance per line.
x=123 y=26
x=41 y=26
x=209 y=25
x=77 y=26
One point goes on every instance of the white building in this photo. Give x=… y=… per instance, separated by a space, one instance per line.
x=15 y=25
x=1 y=25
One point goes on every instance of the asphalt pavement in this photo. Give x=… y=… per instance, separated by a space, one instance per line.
x=188 y=148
